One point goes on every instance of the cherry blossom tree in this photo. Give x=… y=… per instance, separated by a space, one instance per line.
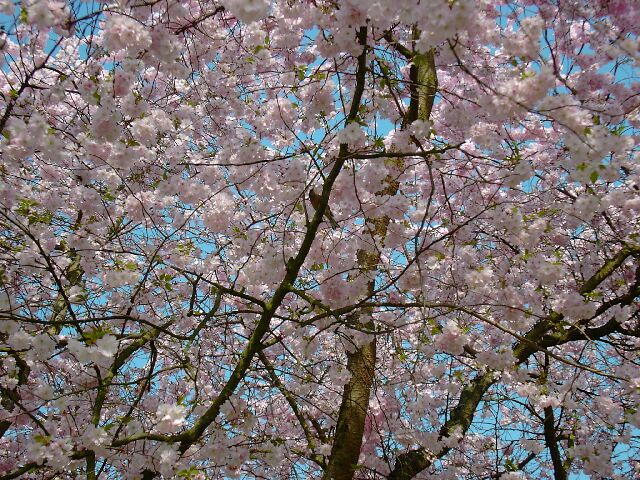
x=459 y=300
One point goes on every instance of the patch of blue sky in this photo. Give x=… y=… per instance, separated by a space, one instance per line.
x=85 y=13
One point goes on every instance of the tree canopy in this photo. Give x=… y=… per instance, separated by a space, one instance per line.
x=319 y=239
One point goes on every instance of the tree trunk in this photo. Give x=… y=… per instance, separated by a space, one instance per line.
x=361 y=364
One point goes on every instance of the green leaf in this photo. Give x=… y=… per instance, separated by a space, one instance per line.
x=25 y=205
x=26 y=209
x=188 y=473
x=440 y=256
x=94 y=334
x=185 y=248
x=594 y=177
x=108 y=196
x=42 y=439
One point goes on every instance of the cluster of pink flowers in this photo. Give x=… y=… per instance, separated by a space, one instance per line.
x=463 y=281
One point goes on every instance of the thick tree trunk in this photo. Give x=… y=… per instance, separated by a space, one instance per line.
x=361 y=364
x=353 y=413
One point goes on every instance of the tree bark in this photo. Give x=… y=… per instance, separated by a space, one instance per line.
x=548 y=332
x=361 y=363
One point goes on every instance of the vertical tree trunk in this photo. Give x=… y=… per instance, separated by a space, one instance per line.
x=353 y=412
x=361 y=363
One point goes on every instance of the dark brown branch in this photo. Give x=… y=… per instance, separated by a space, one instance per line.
x=411 y=463
x=551 y=439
